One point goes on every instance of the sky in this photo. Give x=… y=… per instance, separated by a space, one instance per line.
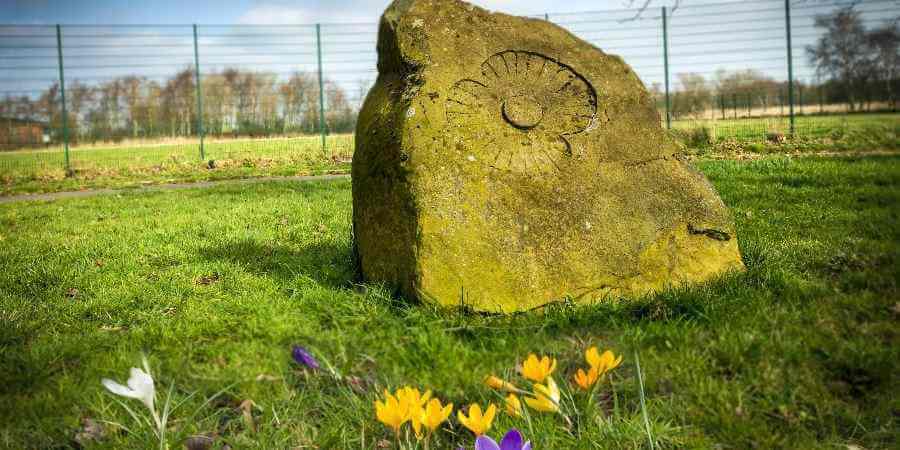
x=248 y=11
x=274 y=36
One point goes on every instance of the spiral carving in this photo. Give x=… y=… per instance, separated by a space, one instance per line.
x=520 y=111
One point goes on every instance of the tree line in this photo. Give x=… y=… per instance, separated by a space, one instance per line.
x=235 y=103
x=855 y=66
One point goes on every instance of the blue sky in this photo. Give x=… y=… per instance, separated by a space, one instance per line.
x=704 y=36
x=249 y=11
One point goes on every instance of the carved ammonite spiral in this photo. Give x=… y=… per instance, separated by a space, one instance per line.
x=518 y=114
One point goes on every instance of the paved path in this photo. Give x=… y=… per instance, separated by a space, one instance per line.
x=161 y=187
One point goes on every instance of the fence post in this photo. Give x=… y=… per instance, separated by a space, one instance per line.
x=199 y=94
x=790 y=61
x=321 y=88
x=665 y=29
x=62 y=93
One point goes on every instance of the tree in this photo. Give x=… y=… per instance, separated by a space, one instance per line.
x=339 y=116
x=842 y=52
x=80 y=98
x=884 y=43
x=693 y=97
x=295 y=95
x=235 y=101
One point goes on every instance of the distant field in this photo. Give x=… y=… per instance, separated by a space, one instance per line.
x=756 y=128
x=138 y=163
x=152 y=154
x=136 y=155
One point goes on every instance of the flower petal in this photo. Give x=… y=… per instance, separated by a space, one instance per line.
x=527 y=446
x=512 y=440
x=489 y=414
x=485 y=443
x=304 y=357
x=118 y=389
x=592 y=356
x=475 y=412
x=142 y=383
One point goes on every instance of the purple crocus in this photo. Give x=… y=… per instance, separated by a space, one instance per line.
x=512 y=441
x=304 y=357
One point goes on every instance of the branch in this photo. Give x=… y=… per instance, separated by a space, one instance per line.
x=641 y=9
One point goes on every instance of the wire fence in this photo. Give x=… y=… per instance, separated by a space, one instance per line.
x=151 y=95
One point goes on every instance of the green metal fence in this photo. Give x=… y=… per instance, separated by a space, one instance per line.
x=149 y=97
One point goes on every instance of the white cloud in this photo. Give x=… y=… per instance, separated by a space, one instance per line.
x=275 y=15
x=278 y=13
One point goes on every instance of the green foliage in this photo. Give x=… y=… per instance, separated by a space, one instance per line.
x=216 y=284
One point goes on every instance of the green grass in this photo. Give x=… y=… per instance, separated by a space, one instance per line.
x=122 y=166
x=806 y=126
x=812 y=133
x=801 y=351
x=31 y=171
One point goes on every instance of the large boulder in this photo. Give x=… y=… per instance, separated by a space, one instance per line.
x=502 y=163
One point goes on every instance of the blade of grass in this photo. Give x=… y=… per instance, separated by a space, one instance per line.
x=640 y=379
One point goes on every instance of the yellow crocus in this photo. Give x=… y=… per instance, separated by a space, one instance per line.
x=431 y=416
x=546 y=397
x=392 y=412
x=602 y=362
x=501 y=385
x=476 y=422
x=538 y=370
x=413 y=397
x=586 y=380
x=513 y=406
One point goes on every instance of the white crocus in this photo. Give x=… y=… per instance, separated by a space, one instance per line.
x=140 y=386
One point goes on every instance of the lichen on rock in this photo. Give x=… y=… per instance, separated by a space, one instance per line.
x=503 y=163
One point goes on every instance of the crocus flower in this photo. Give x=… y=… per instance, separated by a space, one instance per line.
x=392 y=412
x=512 y=441
x=476 y=422
x=586 y=380
x=603 y=363
x=431 y=416
x=538 y=370
x=140 y=386
x=304 y=357
x=501 y=385
x=546 y=397
x=412 y=397
x=513 y=406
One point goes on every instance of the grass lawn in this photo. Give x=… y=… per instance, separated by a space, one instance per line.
x=214 y=285
x=30 y=171
x=805 y=126
x=123 y=166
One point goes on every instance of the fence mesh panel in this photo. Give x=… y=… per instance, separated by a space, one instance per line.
x=282 y=94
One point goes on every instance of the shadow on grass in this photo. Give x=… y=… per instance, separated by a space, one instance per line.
x=328 y=263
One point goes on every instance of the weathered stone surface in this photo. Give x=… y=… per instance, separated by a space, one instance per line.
x=503 y=163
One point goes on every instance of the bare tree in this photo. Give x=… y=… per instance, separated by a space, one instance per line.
x=80 y=99
x=693 y=97
x=841 y=53
x=884 y=43
x=235 y=101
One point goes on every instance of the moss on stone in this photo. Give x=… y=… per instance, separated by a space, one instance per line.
x=502 y=162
